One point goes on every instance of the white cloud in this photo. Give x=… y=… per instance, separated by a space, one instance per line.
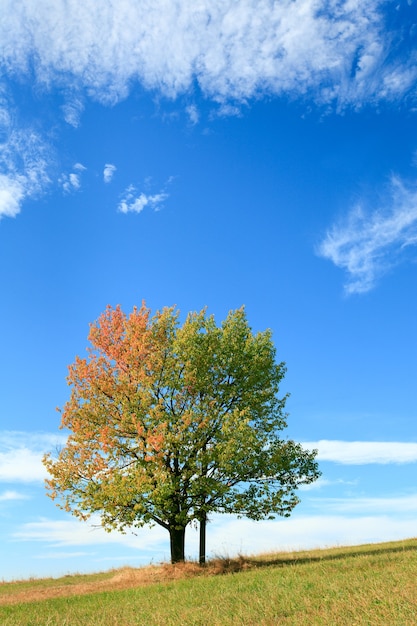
x=325 y=482
x=335 y=50
x=399 y=504
x=59 y=533
x=62 y=555
x=367 y=245
x=193 y=114
x=336 y=53
x=12 y=193
x=8 y=496
x=72 y=182
x=134 y=201
x=231 y=536
x=364 y=452
x=226 y=110
x=21 y=455
x=23 y=162
x=21 y=465
x=32 y=439
x=72 y=111
x=108 y=172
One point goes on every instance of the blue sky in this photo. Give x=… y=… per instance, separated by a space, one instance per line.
x=213 y=154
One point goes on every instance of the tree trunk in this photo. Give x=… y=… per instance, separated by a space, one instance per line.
x=177 y=544
x=202 y=547
x=203 y=514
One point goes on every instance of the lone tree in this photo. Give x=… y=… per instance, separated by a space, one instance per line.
x=172 y=422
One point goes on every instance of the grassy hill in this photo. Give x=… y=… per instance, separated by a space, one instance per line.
x=373 y=584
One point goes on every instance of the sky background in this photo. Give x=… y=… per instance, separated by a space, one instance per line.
x=213 y=153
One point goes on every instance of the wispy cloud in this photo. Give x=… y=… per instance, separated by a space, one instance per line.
x=23 y=161
x=325 y=482
x=338 y=51
x=8 y=496
x=230 y=536
x=134 y=201
x=338 y=54
x=21 y=455
x=32 y=439
x=72 y=111
x=21 y=465
x=60 y=533
x=369 y=244
x=108 y=172
x=399 y=504
x=12 y=193
x=72 y=182
x=364 y=452
x=62 y=555
x=193 y=114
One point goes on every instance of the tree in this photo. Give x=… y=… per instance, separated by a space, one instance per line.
x=171 y=422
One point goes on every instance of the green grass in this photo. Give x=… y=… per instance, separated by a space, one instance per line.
x=372 y=584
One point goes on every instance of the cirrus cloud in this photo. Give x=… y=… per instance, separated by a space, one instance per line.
x=108 y=172
x=24 y=161
x=72 y=182
x=134 y=201
x=367 y=245
x=364 y=452
x=338 y=51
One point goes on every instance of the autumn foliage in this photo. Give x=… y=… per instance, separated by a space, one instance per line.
x=171 y=422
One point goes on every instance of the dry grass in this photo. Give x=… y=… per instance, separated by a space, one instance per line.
x=124 y=578
x=366 y=585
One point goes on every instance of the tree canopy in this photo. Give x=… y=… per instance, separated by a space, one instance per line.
x=171 y=422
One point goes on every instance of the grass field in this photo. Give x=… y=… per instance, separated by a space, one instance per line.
x=374 y=584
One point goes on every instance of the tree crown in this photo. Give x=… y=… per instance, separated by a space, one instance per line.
x=171 y=421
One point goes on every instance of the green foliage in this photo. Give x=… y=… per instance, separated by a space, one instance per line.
x=170 y=422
